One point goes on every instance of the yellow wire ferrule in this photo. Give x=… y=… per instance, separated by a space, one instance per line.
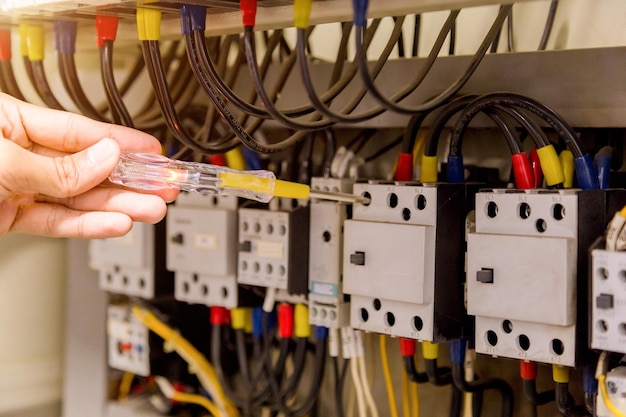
x=560 y=374
x=566 y=158
x=263 y=185
x=238 y=318
x=302 y=13
x=35 y=42
x=550 y=165
x=235 y=160
x=428 y=169
x=148 y=24
x=430 y=350
x=22 y=28
x=302 y=327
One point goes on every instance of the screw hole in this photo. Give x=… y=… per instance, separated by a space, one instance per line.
x=195 y=278
x=406 y=214
x=602 y=326
x=603 y=273
x=377 y=304
x=558 y=212
x=622 y=329
x=541 y=225
x=205 y=290
x=492 y=209
x=491 y=338
x=368 y=196
x=364 y=315
x=420 y=202
x=392 y=200
x=524 y=210
x=326 y=236
x=390 y=319
x=523 y=342
x=417 y=323
x=507 y=326
x=557 y=347
x=185 y=287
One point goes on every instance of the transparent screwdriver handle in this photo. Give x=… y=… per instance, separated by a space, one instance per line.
x=156 y=172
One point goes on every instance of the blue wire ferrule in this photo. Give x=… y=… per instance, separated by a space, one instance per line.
x=457 y=351
x=185 y=20
x=257 y=322
x=360 y=12
x=320 y=332
x=590 y=383
x=198 y=17
x=602 y=164
x=65 y=36
x=252 y=159
x=455 y=170
x=585 y=173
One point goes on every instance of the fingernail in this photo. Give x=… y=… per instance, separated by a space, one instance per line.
x=101 y=151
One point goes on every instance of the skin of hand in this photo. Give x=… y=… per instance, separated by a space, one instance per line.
x=53 y=174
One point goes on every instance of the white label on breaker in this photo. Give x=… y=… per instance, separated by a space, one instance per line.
x=270 y=250
x=204 y=241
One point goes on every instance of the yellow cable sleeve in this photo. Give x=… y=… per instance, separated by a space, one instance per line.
x=22 y=28
x=566 y=158
x=607 y=400
x=391 y=394
x=125 y=386
x=302 y=327
x=302 y=13
x=35 y=42
x=415 y=400
x=196 y=399
x=550 y=165
x=235 y=159
x=148 y=24
x=238 y=318
x=188 y=352
x=560 y=374
x=291 y=190
x=406 y=404
x=428 y=169
x=260 y=185
x=430 y=350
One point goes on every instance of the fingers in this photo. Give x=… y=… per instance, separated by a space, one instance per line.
x=58 y=221
x=65 y=131
x=139 y=207
x=23 y=171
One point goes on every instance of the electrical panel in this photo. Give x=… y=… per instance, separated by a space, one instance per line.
x=274 y=248
x=608 y=301
x=327 y=304
x=202 y=249
x=128 y=341
x=403 y=260
x=133 y=264
x=527 y=271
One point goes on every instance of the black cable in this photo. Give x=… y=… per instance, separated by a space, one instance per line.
x=508 y=131
x=458 y=378
x=410 y=133
x=416 y=35
x=537 y=398
x=510 y=42
x=456 y=404
x=384 y=149
x=299 y=359
x=40 y=82
x=436 y=375
x=411 y=370
x=9 y=76
x=565 y=402
x=69 y=78
x=516 y=100
x=545 y=37
x=242 y=358
x=316 y=381
x=531 y=127
x=441 y=119
x=452 y=44
x=330 y=147
x=216 y=361
x=113 y=95
x=400 y=42
x=338 y=386
x=450 y=91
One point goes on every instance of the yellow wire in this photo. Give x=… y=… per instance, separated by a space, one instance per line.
x=405 y=395
x=418 y=148
x=125 y=385
x=391 y=395
x=607 y=400
x=415 y=400
x=196 y=399
x=204 y=370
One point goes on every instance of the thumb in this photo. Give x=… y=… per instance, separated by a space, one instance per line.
x=61 y=177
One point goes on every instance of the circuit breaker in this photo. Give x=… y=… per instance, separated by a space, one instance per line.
x=526 y=273
x=133 y=264
x=327 y=304
x=608 y=301
x=128 y=341
x=274 y=248
x=202 y=249
x=403 y=259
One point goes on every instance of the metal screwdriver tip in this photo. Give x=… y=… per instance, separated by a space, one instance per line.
x=342 y=197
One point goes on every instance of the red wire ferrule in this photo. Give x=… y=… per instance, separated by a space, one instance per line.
x=248 y=11
x=106 y=29
x=528 y=370
x=407 y=347
x=404 y=167
x=219 y=316
x=285 y=320
x=523 y=173
x=219 y=160
x=5 y=44
x=535 y=163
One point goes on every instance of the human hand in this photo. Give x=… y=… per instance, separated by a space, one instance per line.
x=53 y=171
